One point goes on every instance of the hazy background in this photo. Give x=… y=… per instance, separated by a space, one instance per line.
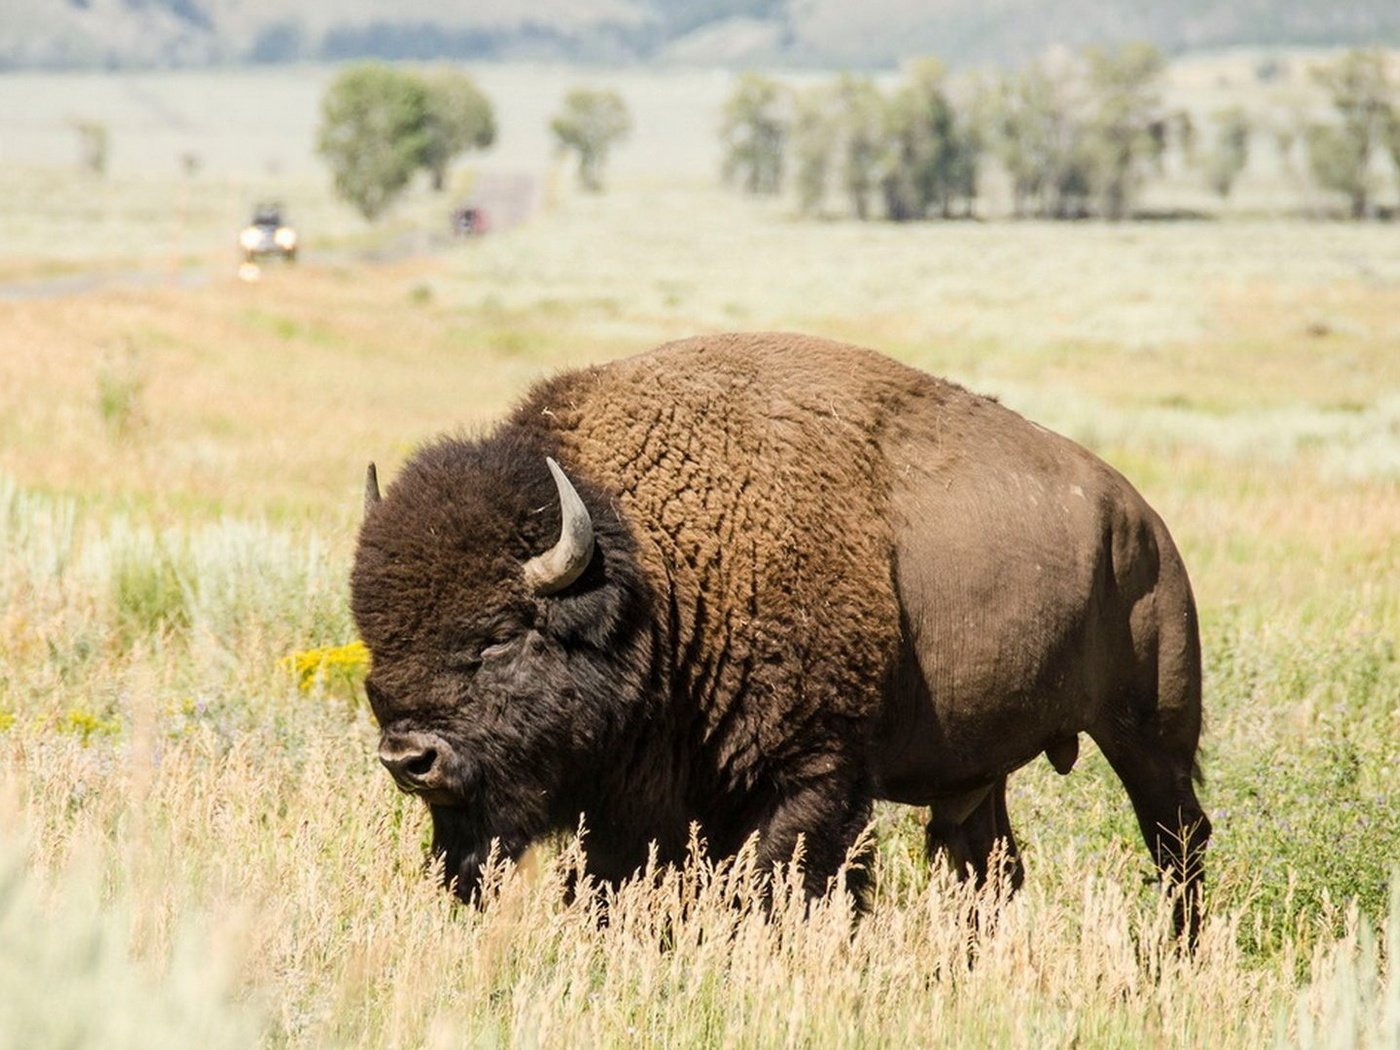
x=878 y=33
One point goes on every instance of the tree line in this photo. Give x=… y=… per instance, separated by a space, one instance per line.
x=1076 y=136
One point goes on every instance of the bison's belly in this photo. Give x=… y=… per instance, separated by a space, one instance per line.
x=965 y=730
x=1002 y=649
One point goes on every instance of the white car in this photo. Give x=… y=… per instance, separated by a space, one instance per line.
x=267 y=234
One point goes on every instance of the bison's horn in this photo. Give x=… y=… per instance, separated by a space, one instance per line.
x=563 y=563
x=371 y=488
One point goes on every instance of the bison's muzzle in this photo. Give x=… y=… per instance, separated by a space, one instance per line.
x=416 y=761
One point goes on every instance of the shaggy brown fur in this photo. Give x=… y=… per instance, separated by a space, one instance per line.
x=821 y=577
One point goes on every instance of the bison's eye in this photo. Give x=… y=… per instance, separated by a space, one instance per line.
x=497 y=651
x=464 y=662
x=470 y=660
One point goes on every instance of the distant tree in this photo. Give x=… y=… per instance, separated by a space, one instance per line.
x=860 y=112
x=974 y=122
x=1125 y=133
x=902 y=159
x=931 y=155
x=754 y=132
x=459 y=118
x=814 y=128
x=919 y=124
x=1230 y=152
x=1337 y=163
x=1075 y=189
x=1014 y=136
x=839 y=135
x=1183 y=127
x=373 y=134
x=94 y=142
x=1366 y=102
x=590 y=124
x=1392 y=141
x=1288 y=131
x=1037 y=129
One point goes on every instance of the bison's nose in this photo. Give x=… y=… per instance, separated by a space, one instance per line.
x=414 y=760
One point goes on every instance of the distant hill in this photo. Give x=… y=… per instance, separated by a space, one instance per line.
x=58 y=34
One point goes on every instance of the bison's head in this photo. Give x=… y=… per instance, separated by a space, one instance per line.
x=503 y=619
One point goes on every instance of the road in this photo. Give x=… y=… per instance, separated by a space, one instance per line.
x=508 y=199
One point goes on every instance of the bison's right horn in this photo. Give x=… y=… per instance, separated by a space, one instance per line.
x=562 y=564
x=371 y=488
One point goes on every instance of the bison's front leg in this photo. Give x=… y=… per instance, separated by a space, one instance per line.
x=969 y=829
x=828 y=813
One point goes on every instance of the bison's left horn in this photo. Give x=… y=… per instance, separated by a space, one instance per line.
x=563 y=563
x=371 y=488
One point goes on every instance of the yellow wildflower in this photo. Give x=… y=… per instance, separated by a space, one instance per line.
x=86 y=724
x=329 y=667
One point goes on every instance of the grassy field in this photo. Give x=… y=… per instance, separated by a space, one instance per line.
x=197 y=846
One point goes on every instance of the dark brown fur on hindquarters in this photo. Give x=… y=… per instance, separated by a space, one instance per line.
x=812 y=577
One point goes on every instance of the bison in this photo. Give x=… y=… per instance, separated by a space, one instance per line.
x=754 y=582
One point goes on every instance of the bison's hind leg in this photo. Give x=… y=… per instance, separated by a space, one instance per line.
x=1150 y=724
x=967 y=831
x=1160 y=782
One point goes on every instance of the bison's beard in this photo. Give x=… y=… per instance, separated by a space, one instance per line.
x=464 y=847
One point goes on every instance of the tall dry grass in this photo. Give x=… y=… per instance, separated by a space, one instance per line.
x=298 y=872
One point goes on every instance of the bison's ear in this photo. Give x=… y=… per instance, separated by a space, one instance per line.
x=562 y=564
x=371 y=488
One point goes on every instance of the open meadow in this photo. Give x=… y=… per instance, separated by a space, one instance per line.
x=198 y=846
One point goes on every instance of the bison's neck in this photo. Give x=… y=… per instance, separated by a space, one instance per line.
x=749 y=664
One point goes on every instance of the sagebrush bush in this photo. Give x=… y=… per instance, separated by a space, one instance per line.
x=151 y=581
x=68 y=977
x=121 y=382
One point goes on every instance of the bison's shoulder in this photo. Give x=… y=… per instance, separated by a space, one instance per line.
x=750 y=469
